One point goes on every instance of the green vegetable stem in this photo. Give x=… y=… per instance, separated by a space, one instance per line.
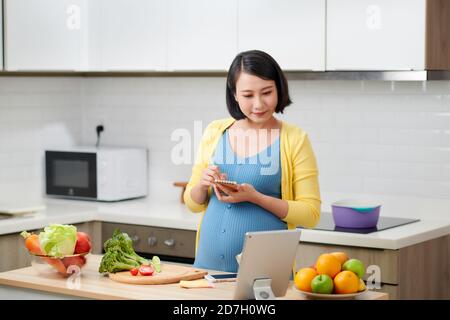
x=156 y=263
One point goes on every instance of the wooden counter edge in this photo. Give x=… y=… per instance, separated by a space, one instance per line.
x=59 y=291
x=13 y=278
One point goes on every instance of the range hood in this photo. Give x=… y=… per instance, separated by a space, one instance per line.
x=370 y=75
x=291 y=75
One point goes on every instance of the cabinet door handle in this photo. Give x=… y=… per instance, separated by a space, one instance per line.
x=152 y=241
x=169 y=242
x=135 y=238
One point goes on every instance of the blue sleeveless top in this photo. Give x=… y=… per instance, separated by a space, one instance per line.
x=224 y=225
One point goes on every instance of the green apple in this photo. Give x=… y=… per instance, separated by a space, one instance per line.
x=322 y=284
x=356 y=266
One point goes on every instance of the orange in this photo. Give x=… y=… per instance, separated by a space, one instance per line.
x=303 y=279
x=328 y=264
x=341 y=256
x=346 y=282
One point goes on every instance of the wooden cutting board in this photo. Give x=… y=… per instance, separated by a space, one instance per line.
x=169 y=274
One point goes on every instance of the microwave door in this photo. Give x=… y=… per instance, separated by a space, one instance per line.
x=71 y=174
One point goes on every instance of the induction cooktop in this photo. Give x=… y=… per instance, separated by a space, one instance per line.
x=327 y=223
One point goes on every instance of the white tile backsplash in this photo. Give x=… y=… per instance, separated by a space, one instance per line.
x=342 y=182
x=418 y=137
x=446 y=172
x=396 y=186
x=386 y=140
x=362 y=135
x=378 y=119
x=347 y=167
x=35 y=113
x=404 y=170
x=419 y=154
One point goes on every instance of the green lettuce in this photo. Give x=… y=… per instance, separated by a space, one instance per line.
x=58 y=240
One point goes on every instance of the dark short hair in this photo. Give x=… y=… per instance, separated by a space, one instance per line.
x=260 y=64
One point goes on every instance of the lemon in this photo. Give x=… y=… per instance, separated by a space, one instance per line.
x=362 y=285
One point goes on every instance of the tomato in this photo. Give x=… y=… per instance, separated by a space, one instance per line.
x=146 y=270
x=134 y=271
x=83 y=243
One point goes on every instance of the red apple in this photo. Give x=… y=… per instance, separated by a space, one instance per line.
x=83 y=243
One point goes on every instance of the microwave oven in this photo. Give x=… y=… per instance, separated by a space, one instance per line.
x=103 y=174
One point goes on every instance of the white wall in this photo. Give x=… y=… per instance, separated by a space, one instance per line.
x=377 y=140
x=35 y=113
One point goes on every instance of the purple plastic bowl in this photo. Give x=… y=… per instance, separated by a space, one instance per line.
x=355 y=214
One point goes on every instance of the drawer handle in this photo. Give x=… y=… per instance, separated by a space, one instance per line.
x=169 y=242
x=152 y=241
x=135 y=238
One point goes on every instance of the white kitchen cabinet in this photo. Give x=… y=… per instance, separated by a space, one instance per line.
x=376 y=34
x=202 y=34
x=45 y=34
x=292 y=31
x=128 y=35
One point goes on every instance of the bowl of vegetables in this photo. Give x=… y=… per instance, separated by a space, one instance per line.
x=58 y=249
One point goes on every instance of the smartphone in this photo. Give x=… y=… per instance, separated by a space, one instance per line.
x=229 y=183
x=225 y=277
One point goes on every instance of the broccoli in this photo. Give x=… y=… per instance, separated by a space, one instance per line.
x=113 y=261
x=122 y=240
x=119 y=254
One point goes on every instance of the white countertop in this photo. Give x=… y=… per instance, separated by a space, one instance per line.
x=160 y=213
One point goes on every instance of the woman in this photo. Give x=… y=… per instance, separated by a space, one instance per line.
x=271 y=160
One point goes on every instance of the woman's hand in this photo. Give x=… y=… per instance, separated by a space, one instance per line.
x=200 y=192
x=209 y=175
x=244 y=192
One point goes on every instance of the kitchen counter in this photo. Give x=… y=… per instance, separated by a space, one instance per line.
x=29 y=283
x=154 y=212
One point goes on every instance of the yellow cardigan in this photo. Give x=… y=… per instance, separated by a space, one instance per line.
x=299 y=174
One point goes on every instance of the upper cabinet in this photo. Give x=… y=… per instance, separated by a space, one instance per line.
x=205 y=35
x=45 y=35
x=376 y=34
x=127 y=35
x=201 y=34
x=292 y=31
